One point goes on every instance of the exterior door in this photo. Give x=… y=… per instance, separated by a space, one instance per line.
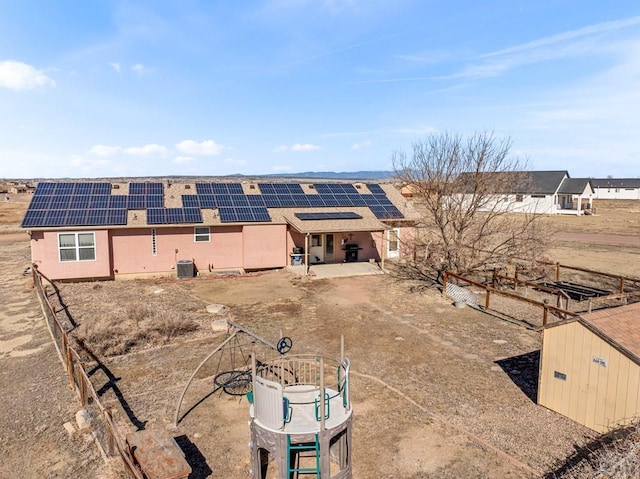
x=393 y=243
x=316 y=249
x=329 y=251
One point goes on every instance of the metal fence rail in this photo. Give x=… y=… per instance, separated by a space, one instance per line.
x=105 y=430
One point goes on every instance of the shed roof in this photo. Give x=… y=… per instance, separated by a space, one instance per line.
x=621 y=324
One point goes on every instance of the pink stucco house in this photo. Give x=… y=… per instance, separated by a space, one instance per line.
x=91 y=230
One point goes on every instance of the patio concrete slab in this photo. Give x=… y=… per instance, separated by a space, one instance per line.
x=336 y=270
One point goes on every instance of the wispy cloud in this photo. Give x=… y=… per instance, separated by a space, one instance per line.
x=16 y=75
x=206 y=147
x=116 y=66
x=88 y=165
x=362 y=145
x=297 y=147
x=138 y=68
x=434 y=56
x=568 y=35
x=146 y=150
x=105 y=150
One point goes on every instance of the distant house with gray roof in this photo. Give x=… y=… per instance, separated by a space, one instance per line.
x=540 y=192
x=616 y=188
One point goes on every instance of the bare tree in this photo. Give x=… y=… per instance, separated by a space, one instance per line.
x=464 y=190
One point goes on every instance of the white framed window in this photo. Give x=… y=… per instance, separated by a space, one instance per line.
x=316 y=240
x=201 y=233
x=154 y=242
x=77 y=247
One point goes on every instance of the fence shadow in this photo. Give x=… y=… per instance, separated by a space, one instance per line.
x=199 y=467
x=523 y=370
x=110 y=384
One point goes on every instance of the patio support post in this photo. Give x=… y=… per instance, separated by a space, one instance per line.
x=306 y=255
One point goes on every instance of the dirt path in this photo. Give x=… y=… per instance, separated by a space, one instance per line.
x=35 y=397
x=601 y=239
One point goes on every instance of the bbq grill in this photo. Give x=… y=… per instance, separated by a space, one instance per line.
x=350 y=252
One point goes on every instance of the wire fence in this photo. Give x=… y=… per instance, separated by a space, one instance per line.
x=103 y=428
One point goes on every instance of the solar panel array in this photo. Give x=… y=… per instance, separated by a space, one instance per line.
x=334 y=215
x=171 y=216
x=234 y=205
x=74 y=204
x=92 y=204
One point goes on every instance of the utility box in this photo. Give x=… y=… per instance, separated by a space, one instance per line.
x=158 y=456
x=185 y=268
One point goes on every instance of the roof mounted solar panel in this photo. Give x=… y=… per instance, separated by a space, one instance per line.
x=219 y=189
x=174 y=215
x=55 y=218
x=99 y=201
x=208 y=201
x=156 y=216
x=97 y=217
x=137 y=202
x=191 y=201
x=239 y=200
x=84 y=188
x=40 y=202
x=261 y=214
x=267 y=188
x=45 y=189
x=33 y=218
x=192 y=215
x=76 y=217
x=101 y=189
x=204 y=189
x=117 y=201
x=235 y=189
x=228 y=215
x=64 y=188
x=80 y=201
x=375 y=188
x=117 y=217
x=332 y=215
x=255 y=200
x=154 y=201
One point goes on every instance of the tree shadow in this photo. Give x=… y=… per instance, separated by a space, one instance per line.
x=523 y=370
x=199 y=467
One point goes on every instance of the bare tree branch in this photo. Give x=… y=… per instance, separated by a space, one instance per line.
x=464 y=189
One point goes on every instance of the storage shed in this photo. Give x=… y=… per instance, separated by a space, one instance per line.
x=590 y=367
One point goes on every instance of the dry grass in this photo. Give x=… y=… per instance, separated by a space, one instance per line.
x=146 y=314
x=612 y=456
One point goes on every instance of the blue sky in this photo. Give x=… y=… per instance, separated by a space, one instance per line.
x=99 y=88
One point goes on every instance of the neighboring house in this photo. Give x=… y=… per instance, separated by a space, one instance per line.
x=616 y=188
x=541 y=192
x=104 y=230
x=590 y=367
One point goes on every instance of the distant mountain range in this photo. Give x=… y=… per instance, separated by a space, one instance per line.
x=331 y=175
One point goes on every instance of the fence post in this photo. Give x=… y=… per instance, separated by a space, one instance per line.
x=621 y=284
x=444 y=283
x=545 y=312
x=486 y=298
x=557 y=271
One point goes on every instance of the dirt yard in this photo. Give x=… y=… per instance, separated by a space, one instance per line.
x=438 y=391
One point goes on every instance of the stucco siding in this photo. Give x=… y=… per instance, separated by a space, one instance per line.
x=265 y=246
x=45 y=254
x=600 y=387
